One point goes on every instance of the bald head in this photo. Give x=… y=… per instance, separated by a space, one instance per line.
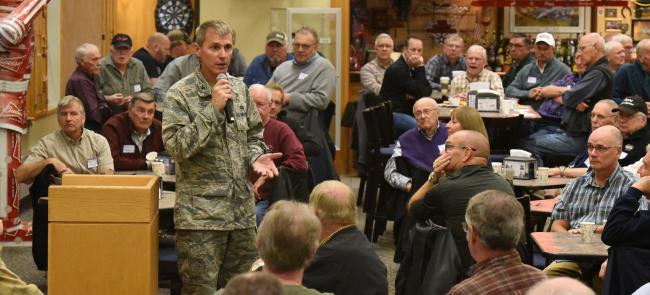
x=475 y=140
x=425 y=102
x=158 y=46
x=334 y=203
x=259 y=92
x=610 y=133
x=560 y=286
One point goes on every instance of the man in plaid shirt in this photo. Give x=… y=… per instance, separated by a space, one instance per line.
x=590 y=198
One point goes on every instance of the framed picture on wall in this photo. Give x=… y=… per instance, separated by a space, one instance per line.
x=613 y=25
x=640 y=29
x=547 y=19
x=611 y=12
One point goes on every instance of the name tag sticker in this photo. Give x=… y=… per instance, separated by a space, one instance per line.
x=302 y=76
x=128 y=149
x=137 y=88
x=532 y=80
x=622 y=156
x=92 y=163
x=441 y=148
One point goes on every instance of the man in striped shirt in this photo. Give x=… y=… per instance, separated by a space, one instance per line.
x=590 y=198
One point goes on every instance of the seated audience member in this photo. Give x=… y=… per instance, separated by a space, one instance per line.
x=605 y=112
x=404 y=82
x=630 y=78
x=134 y=133
x=475 y=61
x=345 y=262
x=372 y=73
x=178 y=44
x=287 y=241
x=615 y=55
x=308 y=141
x=628 y=225
x=628 y=45
x=418 y=146
x=560 y=286
x=519 y=47
x=10 y=283
x=466 y=118
x=279 y=138
x=176 y=70
x=590 y=197
x=633 y=123
x=154 y=55
x=445 y=63
x=596 y=84
x=254 y=283
x=120 y=75
x=82 y=85
x=494 y=222
x=551 y=109
x=459 y=173
x=275 y=52
x=527 y=85
x=237 y=66
x=71 y=149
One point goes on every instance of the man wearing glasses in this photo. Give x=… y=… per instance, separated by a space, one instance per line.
x=309 y=81
x=590 y=197
x=519 y=49
x=120 y=75
x=546 y=69
x=443 y=64
x=459 y=173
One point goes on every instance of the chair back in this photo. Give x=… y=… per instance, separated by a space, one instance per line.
x=503 y=133
x=525 y=247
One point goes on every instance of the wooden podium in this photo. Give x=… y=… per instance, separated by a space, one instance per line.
x=103 y=235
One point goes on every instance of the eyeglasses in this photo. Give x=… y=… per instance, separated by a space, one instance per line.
x=515 y=45
x=599 y=148
x=451 y=146
x=426 y=112
x=601 y=117
x=582 y=48
x=302 y=46
x=453 y=46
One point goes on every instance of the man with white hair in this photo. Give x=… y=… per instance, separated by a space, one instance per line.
x=345 y=262
x=615 y=53
x=445 y=63
x=475 y=61
x=631 y=78
x=527 y=85
x=560 y=286
x=494 y=223
x=154 y=55
x=628 y=44
x=82 y=85
x=372 y=73
x=279 y=138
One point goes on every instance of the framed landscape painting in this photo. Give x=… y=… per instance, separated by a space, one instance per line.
x=547 y=19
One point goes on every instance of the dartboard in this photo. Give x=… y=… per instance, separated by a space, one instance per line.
x=173 y=15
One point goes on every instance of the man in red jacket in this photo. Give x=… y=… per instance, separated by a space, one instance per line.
x=134 y=133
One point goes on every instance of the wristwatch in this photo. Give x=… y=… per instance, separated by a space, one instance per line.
x=562 y=168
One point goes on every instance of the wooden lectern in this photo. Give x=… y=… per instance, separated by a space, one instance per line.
x=103 y=235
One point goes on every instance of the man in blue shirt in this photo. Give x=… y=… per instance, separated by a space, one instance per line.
x=634 y=79
x=262 y=67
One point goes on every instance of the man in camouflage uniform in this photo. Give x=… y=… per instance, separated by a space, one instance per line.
x=214 y=213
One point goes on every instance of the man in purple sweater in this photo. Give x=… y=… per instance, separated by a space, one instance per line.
x=82 y=85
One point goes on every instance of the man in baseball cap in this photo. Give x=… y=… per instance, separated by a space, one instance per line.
x=633 y=117
x=122 y=41
x=179 y=42
x=261 y=68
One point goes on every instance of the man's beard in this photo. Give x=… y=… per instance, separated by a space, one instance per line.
x=276 y=59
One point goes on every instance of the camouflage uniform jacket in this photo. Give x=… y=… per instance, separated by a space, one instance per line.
x=212 y=156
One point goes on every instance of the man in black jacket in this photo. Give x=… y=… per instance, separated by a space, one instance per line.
x=405 y=82
x=345 y=263
x=596 y=84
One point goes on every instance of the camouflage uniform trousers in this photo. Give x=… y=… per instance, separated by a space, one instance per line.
x=208 y=259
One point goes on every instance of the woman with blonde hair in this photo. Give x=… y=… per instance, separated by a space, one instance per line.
x=466 y=118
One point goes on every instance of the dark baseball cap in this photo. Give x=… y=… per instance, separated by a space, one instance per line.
x=177 y=35
x=276 y=36
x=633 y=104
x=121 y=40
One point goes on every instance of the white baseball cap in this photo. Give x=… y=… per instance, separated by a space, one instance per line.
x=546 y=38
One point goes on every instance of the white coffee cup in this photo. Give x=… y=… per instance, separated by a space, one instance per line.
x=542 y=174
x=454 y=101
x=444 y=80
x=587 y=231
x=506 y=106
x=158 y=168
x=496 y=166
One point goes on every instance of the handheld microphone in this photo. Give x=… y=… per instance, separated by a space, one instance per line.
x=230 y=115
